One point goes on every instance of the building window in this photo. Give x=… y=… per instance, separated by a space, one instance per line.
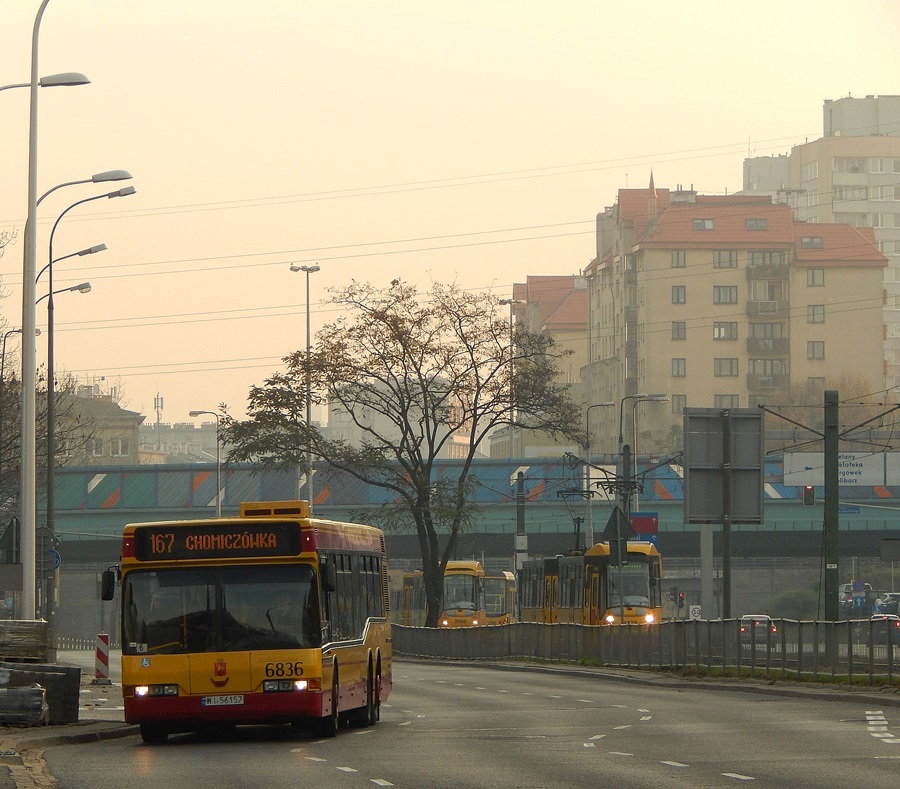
x=811 y=242
x=725 y=294
x=725 y=258
x=849 y=164
x=815 y=313
x=876 y=165
x=678 y=258
x=704 y=224
x=766 y=258
x=679 y=294
x=679 y=403
x=766 y=331
x=815 y=349
x=725 y=330
x=757 y=224
x=848 y=193
x=812 y=198
x=94 y=447
x=767 y=367
x=883 y=220
x=118 y=447
x=726 y=401
x=679 y=330
x=725 y=368
x=815 y=278
x=809 y=171
x=679 y=368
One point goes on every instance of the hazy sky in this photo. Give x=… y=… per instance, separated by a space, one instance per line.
x=467 y=141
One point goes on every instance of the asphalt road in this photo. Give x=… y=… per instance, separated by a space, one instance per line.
x=469 y=727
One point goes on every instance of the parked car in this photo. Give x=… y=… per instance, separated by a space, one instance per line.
x=883 y=627
x=890 y=602
x=757 y=629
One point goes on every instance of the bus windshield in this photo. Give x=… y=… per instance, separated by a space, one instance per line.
x=630 y=585
x=461 y=592
x=214 y=609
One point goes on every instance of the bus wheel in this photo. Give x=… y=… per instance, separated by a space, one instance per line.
x=329 y=725
x=374 y=708
x=154 y=733
x=365 y=715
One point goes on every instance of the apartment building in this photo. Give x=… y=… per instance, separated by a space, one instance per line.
x=850 y=175
x=723 y=302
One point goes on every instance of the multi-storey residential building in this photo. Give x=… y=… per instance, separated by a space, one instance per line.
x=556 y=306
x=851 y=175
x=724 y=302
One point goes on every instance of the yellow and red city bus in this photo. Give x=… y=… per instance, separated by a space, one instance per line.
x=472 y=598
x=584 y=588
x=499 y=598
x=269 y=617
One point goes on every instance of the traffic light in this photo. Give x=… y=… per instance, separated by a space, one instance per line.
x=681 y=599
x=809 y=496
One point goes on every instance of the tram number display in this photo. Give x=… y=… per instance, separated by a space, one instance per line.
x=287 y=669
x=216 y=541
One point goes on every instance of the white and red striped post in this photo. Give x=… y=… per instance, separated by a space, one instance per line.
x=101 y=661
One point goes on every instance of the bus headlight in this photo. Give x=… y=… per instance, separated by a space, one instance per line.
x=142 y=691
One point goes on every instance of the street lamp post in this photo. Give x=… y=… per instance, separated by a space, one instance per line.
x=512 y=397
x=27 y=492
x=67 y=78
x=218 y=460
x=634 y=439
x=309 y=470
x=6 y=336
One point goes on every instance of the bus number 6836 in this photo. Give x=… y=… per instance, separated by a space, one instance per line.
x=284 y=669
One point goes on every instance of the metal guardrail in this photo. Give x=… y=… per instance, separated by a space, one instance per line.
x=846 y=651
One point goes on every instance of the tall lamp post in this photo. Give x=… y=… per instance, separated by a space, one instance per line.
x=654 y=398
x=512 y=398
x=309 y=470
x=50 y=595
x=218 y=460
x=27 y=492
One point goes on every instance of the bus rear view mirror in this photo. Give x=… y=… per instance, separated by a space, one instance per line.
x=329 y=577
x=108 y=584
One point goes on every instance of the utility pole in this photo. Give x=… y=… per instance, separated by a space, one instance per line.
x=831 y=547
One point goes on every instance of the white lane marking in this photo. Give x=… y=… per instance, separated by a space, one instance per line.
x=502 y=691
x=619 y=753
x=458 y=685
x=442 y=682
x=598 y=737
x=626 y=726
x=527 y=694
x=878 y=727
x=640 y=710
x=554 y=697
x=739 y=777
x=646 y=717
x=420 y=716
x=347 y=769
x=586 y=701
x=619 y=706
x=380 y=782
x=405 y=723
x=365 y=731
x=589 y=744
x=309 y=758
x=674 y=764
x=477 y=688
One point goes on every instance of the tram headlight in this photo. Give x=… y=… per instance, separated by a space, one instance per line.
x=445 y=622
x=649 y=619
x=474 y=622
x=610 y=619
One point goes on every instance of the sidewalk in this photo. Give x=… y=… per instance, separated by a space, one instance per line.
x=101 y=716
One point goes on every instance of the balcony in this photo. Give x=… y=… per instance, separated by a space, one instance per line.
x=768 y=271
x=768 y=309
x=768 y=346
x=761 y=383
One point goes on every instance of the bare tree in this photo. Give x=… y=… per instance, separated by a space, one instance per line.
x=412 y=374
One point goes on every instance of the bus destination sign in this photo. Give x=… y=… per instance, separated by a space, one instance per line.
x=216 y=541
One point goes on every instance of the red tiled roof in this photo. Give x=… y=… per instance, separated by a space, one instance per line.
x=571 y=314
x=842 y=245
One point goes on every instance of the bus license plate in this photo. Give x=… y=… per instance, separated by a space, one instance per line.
x=221 y=701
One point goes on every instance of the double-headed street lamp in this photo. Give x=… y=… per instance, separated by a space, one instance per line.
x=309 y=470
x=27 y=492
x=218 y=460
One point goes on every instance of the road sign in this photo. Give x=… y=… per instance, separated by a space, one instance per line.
x=57 y=559
x=694 y=612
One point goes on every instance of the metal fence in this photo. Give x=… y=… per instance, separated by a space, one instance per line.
x=846 y=651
